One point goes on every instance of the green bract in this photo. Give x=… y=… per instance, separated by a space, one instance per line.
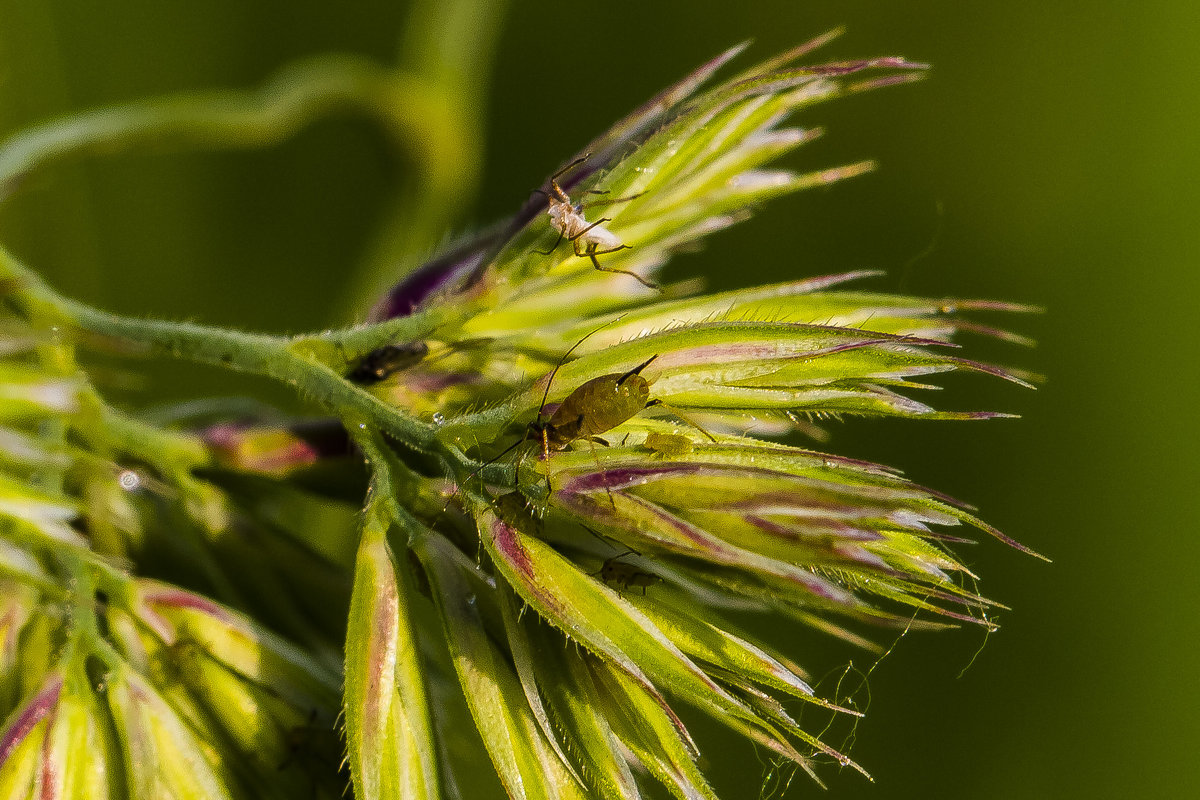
x=570 y=503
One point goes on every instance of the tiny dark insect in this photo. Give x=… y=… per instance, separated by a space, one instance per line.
x=625 y=575
x=588 y=239
x=515 y=511
x=383 y=362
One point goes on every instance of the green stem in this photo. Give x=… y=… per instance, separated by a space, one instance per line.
x=85 y=637
x=296 y=362
x=290 y=100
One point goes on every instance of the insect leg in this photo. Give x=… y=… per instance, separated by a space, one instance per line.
x=613 y=201
x=684 y=417
x=618 y=248
x=590 y=252
x=575 y=238
x=590 y=439
x=557 y=242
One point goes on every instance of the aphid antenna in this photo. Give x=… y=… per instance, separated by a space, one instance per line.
x=570 y=166
x=611 y=559
x=607 y=201
x=489 y=462
x=541 y=408
x=610 y=541
x=563 y=360
x=556 y=192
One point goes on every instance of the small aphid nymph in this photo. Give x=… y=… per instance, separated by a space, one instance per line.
x=668 y=445
x=625 y=575
x=383 y=362
x=589 y=239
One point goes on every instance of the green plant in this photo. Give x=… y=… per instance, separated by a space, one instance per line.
x=172 y=623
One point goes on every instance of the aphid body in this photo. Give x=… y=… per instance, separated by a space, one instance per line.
x=568 y=220
x=594 y=407
x=626 y=575
x=588 y=239
x=668 y=445
x=383 y=362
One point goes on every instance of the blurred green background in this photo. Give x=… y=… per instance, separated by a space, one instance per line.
x=1051 y=158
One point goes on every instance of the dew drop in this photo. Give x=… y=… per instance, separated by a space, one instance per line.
x=439 y=418
x=470 y=599
x=129 y=480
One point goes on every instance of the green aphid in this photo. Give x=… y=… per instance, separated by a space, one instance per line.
x=668 y=445
x=596 y=406
x=515 y=511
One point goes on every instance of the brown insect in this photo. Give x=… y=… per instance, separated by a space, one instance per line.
x=588 y=239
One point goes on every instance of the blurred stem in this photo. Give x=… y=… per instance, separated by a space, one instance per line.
x=303 y=363
x=446 y=49
x=294 y=97
x=85 y=638
x=393 y=485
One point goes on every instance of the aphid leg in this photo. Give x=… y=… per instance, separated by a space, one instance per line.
x=611 y=202
x=590 y=440
x=683 y=417
x=557 y=242
x=591 y=252
x=575 y=238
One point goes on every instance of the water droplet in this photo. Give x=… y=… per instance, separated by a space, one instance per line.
x=129 y=480
x=470 y=599
x=362 y=426
x=439 y=418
